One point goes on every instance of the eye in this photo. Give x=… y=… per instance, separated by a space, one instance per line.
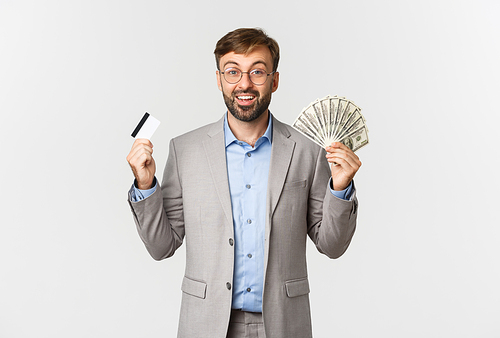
x=258 y=72
x=232 y=71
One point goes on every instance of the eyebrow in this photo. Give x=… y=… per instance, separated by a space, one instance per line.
x=253 y=64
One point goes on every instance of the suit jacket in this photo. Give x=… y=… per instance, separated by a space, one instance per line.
x=193 y=203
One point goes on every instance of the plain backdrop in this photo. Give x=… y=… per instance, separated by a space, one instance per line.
x=76 y=77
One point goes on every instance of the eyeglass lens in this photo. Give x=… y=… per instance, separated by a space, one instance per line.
x=234 y=75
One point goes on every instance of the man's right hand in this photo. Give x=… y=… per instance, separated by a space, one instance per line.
x=142 y=163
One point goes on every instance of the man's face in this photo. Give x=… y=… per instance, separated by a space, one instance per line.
x=245 y=100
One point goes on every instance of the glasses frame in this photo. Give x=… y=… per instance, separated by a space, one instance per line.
x=249 y=77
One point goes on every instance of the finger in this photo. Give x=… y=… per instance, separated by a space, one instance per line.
x=348 y=157
x=138 y=149
x=348 y=164
x=141 y=157
x=145 y=158
x=139 y=162
x=344 y=157
x=343 y=152
x=143 y=141
x=351 y=158
x=337 y=145
x=139 y=142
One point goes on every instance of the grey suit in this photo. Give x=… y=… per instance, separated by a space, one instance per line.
x=194 y=202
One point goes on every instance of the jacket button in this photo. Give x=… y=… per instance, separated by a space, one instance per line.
x=231 y=242
x=228 y=286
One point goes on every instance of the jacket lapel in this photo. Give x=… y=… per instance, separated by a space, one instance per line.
x=215 y=150
x=281 y=156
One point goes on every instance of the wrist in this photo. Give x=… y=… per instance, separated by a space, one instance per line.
x=338 y=187
x=145 y=186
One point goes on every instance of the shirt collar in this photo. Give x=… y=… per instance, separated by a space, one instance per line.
x=230 y=138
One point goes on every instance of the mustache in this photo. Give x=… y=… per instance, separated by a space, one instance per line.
x=249 y=91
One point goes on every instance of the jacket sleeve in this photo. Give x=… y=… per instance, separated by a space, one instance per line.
x=331 y=220
x=159 y=218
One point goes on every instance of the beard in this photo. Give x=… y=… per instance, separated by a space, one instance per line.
x=247 y=113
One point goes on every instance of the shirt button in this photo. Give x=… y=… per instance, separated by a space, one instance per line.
x=248 y=186
x=248 y=289
x=228 y=286
x=249 y=154
x=231 y=242
x=249 y=221
x=249 y=255
x=240 y=143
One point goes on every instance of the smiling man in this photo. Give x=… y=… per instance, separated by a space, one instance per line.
x=247 y=99
x=245 y=192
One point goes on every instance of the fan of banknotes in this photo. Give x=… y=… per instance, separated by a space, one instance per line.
x=333 y=119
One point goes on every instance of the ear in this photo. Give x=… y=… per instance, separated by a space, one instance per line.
x=276 y=80
x=219 y=84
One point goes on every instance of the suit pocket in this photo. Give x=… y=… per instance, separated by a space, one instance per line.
x=294 y=184
x=297 y=287
x=194 y=288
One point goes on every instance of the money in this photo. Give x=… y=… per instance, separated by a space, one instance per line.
x=333 y=119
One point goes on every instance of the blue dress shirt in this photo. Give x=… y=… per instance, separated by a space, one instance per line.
x=248 y=171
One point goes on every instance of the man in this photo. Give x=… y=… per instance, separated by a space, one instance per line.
x=245 y=192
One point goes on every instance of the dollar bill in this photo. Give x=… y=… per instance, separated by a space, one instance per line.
x=333 y=119
x=308 y=132
x=357 y=139
x=325 y=111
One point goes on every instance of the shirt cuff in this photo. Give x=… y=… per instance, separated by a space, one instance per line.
x=345 y=194
x=137 y=194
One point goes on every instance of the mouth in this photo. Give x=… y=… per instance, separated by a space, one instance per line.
x=245 y=100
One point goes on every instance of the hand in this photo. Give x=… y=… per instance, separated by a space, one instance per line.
x=344 y=162
x=142 y=163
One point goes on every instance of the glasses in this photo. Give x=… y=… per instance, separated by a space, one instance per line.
x=257 y=76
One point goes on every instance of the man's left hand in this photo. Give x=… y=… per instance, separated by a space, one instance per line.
x=345 y=164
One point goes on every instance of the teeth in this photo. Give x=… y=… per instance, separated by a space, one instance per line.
x=245 y=97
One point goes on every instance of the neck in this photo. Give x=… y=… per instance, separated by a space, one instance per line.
x=248 y=132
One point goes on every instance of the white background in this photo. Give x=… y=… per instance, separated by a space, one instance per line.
x=76 y=77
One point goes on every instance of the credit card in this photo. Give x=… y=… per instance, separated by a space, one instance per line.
x=146 y=127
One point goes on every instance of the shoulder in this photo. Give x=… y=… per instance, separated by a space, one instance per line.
x=307 y=159
x=200 y=134
x=300 y=140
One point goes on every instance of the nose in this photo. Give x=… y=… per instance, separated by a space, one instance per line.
x=245 y=81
